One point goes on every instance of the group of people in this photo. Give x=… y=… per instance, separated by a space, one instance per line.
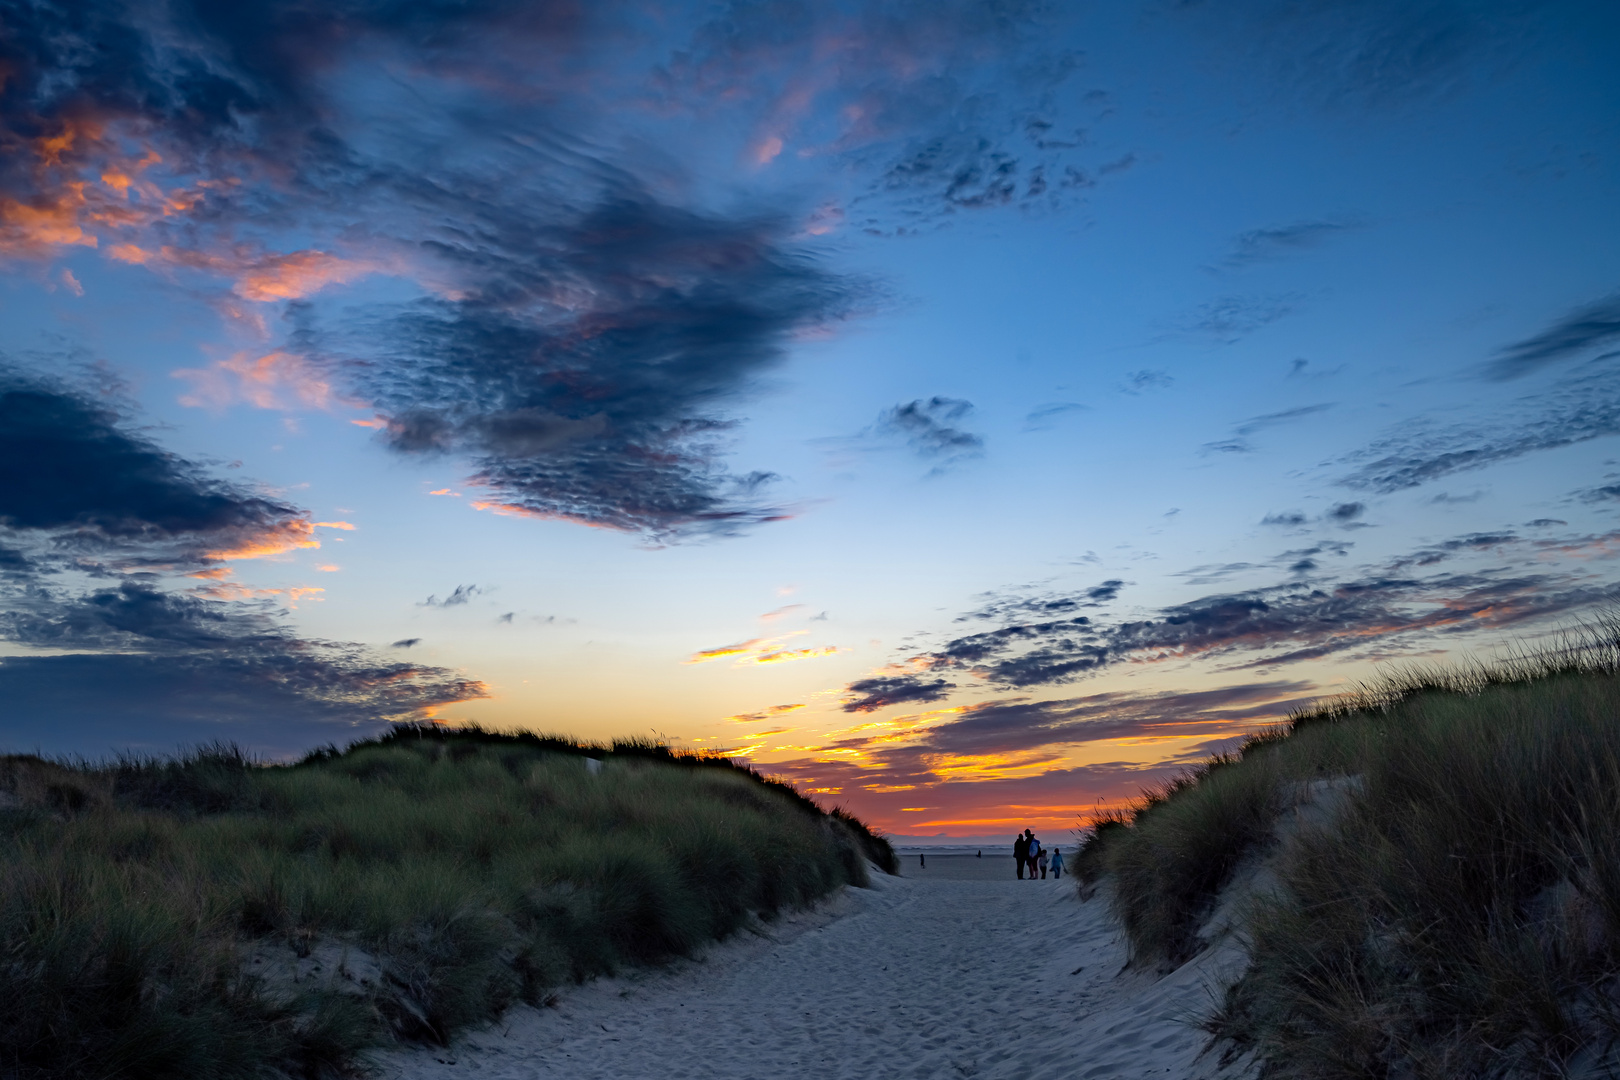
x=1028 y=854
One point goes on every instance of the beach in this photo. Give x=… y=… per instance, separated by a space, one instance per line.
x=948 y=971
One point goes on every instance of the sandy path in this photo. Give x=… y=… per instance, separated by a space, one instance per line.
x=915 y=977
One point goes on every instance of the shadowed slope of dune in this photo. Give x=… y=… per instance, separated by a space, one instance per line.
x=1455 y=907
x=209 y=917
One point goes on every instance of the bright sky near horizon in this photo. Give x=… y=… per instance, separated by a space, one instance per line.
x=968 y=410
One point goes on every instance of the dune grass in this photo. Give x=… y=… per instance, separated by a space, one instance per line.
x=1459 y=915
x=197 y=917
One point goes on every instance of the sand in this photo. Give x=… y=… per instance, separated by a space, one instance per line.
x=952 y=971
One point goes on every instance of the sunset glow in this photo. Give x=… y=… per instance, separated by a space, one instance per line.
x=971 y=414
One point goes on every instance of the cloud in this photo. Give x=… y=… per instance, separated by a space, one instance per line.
x=1605 y=493
x=274 y=703
x=763 y=651
x=589 y=371
x=1240 y=444
x=1049 y=606
x=1581 y=406
x=1014 y=726
x=1230 y=319
x=929 y=428
x=1287 y=519
x=1582 y=331
x=461 y=595
x=142 y=661
x=84 y=497
x=1346 y=512
x=405 y=643
x=1044 y=417
x=75 y=476
x=1005 y=760
x=1367 y=55
x=1365 y=611
x=881 y=691
x=1279 y=241
x=1139 y=382
x=588 y=322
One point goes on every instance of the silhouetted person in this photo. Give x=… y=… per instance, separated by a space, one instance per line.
x=980 y=854
x=1032 y=848
x=922 y=861
x=1057 y=862
x=1041 y=861
x=1020 y=853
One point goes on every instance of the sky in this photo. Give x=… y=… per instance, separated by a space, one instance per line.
x=972 y=411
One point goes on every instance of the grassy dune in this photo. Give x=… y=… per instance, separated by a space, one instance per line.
x=1459 y=915
x=209 y=917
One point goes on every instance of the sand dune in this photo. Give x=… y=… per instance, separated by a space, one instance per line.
x=930 y=975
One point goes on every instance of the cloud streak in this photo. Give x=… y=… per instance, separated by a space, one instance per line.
x=1586 y=329
x=1368 y=614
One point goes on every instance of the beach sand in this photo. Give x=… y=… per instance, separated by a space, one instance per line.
x=939 y=973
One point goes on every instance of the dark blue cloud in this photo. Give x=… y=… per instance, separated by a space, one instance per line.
x=461 y=595
x=1580 y=406
x=73 y=472
x=82 y=494
x=882 y=691
x=1368 y=55
x=591 y=322
x=1605 y=493
x=1278 y=624
x=611 y=408
x=1582 y=331
x=1230 y=319
x=1045 y=607
x=1279 y=241
x=930 y=427
x=98 y=703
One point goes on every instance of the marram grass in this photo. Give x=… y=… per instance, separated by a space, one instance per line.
x=152 y=913
x=1459 y=915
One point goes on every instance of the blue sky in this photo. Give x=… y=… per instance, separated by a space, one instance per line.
x=969 y=411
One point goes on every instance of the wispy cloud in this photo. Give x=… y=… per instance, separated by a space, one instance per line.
x=1279 y=241
x=930 y=426
x=881 y=691
x=1583 y=331
x=1230 y=319
x=1306 y=618
x=1239 y=442
x=461 y=595
x=1580 y=406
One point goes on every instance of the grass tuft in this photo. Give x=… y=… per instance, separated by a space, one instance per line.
x=210 y=916
x=1457 y=915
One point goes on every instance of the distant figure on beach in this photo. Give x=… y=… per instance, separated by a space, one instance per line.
x=922 y=861
x=1041 y=859
x=980 y=854
x=1057 y=862
x=1032 y=850
x=1020 y=852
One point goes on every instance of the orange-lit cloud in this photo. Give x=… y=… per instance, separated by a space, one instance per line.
x=276 y=380
x=298 y=274
x=276 y=540
x=766 y=714
x=45 y=223
x=782 y=655
x=762 y=651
